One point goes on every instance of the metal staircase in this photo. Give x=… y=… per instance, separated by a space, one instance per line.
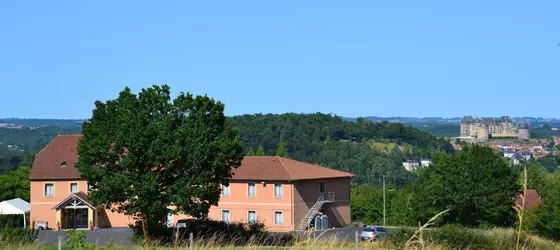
x=327 y=197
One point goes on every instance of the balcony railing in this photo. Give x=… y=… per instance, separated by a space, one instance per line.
x=327 y=197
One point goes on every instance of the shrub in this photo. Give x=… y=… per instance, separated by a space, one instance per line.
x=76 y=239
x=219 y=233
x=17 y=236
x=12 y=220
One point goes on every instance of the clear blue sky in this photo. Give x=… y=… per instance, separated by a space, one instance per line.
x=352 y=58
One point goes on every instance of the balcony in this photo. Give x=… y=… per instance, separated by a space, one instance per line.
x=327 y=197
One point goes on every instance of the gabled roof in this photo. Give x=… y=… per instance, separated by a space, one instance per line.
x=282 y=169
x=48 y=162
x=63 y=148
x=79 y=197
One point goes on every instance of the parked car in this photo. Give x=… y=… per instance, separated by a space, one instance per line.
x=373 y=233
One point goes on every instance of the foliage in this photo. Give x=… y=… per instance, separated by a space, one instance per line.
x=219 y=232
x=250 y=152
x=76 y=239
x=476 y=183
x=546 y=221
x=281 y=151
x=260 y=151
x=33 y=140
x=17 y=236
x=15 y=184
x=143 y=153
x=454 y=236
x=12 y=220
x=550 y=163
x=343 y=145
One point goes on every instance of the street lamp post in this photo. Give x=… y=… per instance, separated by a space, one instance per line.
x=384 y=216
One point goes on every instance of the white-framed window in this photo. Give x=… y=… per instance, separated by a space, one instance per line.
x=226 y=216
x=251 y=190
x=251 y=216
x=73 y=187
x=49 y=189
x=278 y=218
x=225 y=190
x=277 y=190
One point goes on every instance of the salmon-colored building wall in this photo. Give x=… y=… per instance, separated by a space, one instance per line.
x=296 y=200
x=264 y=203
x=42 y=205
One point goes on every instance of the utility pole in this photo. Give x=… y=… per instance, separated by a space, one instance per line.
x=384 y=216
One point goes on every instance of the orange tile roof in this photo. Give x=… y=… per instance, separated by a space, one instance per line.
x=282 y=169
x=63 y=148
x=47 y=163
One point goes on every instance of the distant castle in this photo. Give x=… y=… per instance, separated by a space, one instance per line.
x=488 y=127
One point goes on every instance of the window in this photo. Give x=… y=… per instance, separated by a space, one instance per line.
x=252 y=217
x=49 y=189
x=225 y=190
x=226 y=216
x=73 y=187
x=278 y=218
x=277 y=190
x=251 y=190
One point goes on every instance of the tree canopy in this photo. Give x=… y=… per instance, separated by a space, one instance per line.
x=143 y=153
x=476 y=183
x=15 y=184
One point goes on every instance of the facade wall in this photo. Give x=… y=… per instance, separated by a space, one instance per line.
x=294 y=203
x=42 y=206
x=307 y=192
x=264 y=203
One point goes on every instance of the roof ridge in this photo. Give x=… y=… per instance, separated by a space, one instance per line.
x=284 y=166
x=51 y=142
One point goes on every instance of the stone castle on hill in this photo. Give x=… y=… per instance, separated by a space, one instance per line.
x=488 y=127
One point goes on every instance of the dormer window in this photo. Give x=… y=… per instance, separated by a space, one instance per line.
x=63 y=164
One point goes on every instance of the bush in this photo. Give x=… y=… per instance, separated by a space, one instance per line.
x=12 y=220
x=17 y=236
x=218 y=233
x=458 y=237
x=76 y=239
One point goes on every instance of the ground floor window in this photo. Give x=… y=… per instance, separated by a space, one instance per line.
x=278 y=218
x=251 y=217
x=226 y=216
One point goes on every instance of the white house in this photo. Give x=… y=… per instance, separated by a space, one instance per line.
x=426 y=162
x=411 y=165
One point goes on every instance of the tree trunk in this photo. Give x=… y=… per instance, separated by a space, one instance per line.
x=147 y=242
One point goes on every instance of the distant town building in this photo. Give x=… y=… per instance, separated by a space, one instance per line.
x=425 y=162
x=488 y=127
x=507 y=152
x=526 y=155
x=411 y=165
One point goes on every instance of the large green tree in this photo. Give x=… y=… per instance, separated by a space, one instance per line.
x=145 y=153
x=476 y=184
x=15 y=184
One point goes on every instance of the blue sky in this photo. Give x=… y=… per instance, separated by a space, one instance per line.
x=352 y=58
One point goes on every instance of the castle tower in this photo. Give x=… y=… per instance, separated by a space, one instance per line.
x=523 y=131
x=482 y=132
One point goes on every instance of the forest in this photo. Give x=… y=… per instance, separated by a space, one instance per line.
x=363 y=147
